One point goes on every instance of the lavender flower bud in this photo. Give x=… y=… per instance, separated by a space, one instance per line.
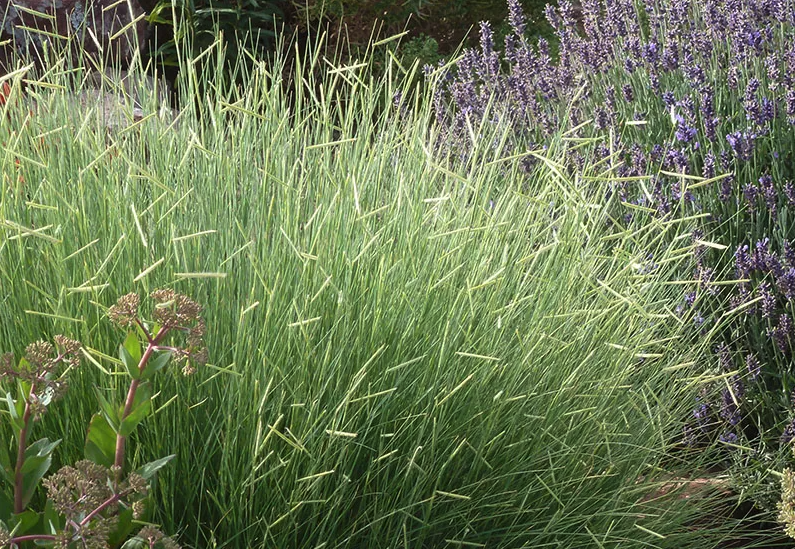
x=628 y=93
x=516 y=17
x=753 y=366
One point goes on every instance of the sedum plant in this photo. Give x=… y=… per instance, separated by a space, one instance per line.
x=95 y=502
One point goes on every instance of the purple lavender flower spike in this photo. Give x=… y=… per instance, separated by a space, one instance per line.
x=789 y=192
x=724 y=357
x=782 y=333
x=516 y=18
x=761 y=254
x=789 y=433
x=708 y=170
x=753 y=366
x=786 y=283
x=729 y=410
x=768 y=299
x=629 y=94
x=770 y=195
x=733 y=77
x=790 y=105
x=728 y=437
x=742 y=262
x=684 y=133
x=742 y=144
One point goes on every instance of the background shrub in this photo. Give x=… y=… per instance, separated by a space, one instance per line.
x=191 y=26
x=448 y=22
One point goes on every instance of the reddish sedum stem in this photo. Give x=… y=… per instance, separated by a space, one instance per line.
x=32 y=537
x=23 y=442
x=115 y=498
x=128 y=404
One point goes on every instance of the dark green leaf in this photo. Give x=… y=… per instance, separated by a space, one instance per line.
x=23 y=390
x=53 y=522
x=130 y=355
x=6 y=469
x=108 y=410
x=16 y=417
x=6 y=506
x=149 y=470
x=101 y=441
x=124 y=527
x=40 y=449
x=135 y=543
x=133 y=346
x=30 y=481
x=142 y=405
x=38 y=458
x=156 y=363
x=23 y=522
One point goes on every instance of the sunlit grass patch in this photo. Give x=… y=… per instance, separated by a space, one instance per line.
x=403 y=353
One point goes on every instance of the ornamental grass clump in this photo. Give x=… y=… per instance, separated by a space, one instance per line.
x=406 y=353
x=693 y=103
x=96 y=502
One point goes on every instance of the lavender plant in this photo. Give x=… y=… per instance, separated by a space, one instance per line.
x=695 y=106
x=95 y=502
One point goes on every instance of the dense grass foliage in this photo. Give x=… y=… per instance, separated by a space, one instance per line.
x=404 y=352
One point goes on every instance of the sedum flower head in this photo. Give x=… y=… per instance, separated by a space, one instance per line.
x=125 y=311
x=68 y=349
x=40 y=356
x=155 y=538
x=174 y=310
x=178 y=312
x=77 y=491
x=6 y=365
x=38 y=369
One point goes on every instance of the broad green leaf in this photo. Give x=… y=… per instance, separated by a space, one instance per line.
x=124 y=527
x=12 y=406
x=40 y=449
x=135 y=543
x=38 y=458
x=6 y=469
x=108 y=410
x=101 y=441
x=16 y=417
x=130 y=364
x=24 y=388
x=6 y=506
x=53 y=522
x=149 y=470
x=30 y=480
x=23 y=522
x=142 y=404
x=133 y=346
x=23 y=364
x=156 y=363
x=143 y=393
